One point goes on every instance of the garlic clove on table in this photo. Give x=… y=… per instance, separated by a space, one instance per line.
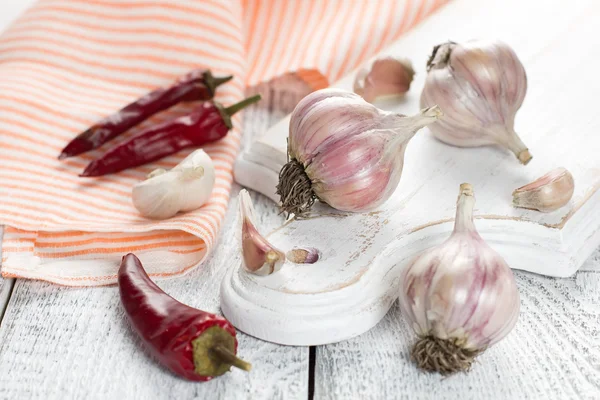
x=387 y=77
x=186 y=187
x=259 y=257
x=547 y=193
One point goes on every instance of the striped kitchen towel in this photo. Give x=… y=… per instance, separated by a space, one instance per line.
x=66 y=63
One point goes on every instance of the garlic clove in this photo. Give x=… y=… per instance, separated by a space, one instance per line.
x=460 y=297
x=308 y=255
x=186 y=187
x=547 y=193
x=387 y=77
x=259 y=257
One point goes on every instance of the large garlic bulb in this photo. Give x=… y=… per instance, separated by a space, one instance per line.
x=345 y=152
x=460 y=297
x=480 y=85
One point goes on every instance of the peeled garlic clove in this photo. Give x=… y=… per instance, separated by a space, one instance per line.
x=186 y=187
x=460 y=297
x=345 y=152
x=258 y=255
x=547 y=193
x=308 y=255
x=387 y=77
x=480 y=85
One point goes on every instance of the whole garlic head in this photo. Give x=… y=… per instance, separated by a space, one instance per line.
x=186 y=187
x=480 y=85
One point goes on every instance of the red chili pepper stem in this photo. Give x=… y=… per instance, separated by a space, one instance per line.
x=212 y=83
x=227 y=112
x=213 y=353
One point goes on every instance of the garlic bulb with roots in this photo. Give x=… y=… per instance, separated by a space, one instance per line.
x=460 y=297
x=345 y=152
x=480 y=85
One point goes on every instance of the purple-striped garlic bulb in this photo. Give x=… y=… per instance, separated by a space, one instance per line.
x=460 y=297
x=259 y=257
x=480 y=85
x=345 y=152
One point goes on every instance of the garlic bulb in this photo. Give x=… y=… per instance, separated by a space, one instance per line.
x=460 y=297
x=547 y=193
x=186 y=187
x=258 y=255
x=345 y=152
x=387 y=77
x=480 y=86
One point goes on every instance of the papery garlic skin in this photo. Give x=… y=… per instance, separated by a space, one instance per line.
x=460 y=295
x=386 y=77
x=308 y=255
x=547 y=193
x=186 y=187
x=345 y=152
x=480 y=85
x=259 y=257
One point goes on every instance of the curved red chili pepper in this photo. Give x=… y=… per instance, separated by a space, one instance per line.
x=196 y=85
x=192 y=343
x=207 y=123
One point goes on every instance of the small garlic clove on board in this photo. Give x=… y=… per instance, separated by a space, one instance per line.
x=480 y=85
x=547 y=193
x=460 y=297
x=186 y=187
x=308 y=255
x=258 y=255
x=387 y=77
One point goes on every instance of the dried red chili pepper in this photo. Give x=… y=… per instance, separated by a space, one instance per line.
x=192 y=343
x=207 y=123
x=196 y=85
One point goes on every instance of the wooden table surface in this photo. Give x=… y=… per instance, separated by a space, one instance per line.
x=71 y=343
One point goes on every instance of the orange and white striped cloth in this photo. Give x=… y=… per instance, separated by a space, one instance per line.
x=66 y=63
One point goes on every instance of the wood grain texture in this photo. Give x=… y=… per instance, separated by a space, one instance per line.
x=553 y=352
x=59 y=342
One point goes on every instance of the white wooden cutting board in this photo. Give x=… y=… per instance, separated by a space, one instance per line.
x=354 y=283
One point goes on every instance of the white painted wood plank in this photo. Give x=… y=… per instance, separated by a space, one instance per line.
x=58 y=342
x=553 y=352
x=6 y=285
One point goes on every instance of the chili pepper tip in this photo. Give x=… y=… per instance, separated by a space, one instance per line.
x=75 y=147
